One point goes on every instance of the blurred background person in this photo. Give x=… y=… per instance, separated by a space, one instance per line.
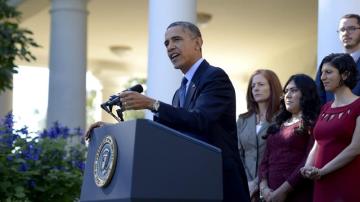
x=334 y=160
x=288 y=143
x=263 y=101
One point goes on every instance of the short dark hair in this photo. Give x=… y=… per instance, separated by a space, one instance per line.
x=351 y=15
x=187 y=25
x=343 y=62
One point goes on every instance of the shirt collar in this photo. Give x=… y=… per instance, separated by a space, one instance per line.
x=190 y=73
x=356 y=55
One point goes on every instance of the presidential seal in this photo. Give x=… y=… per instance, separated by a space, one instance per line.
x=105 y=161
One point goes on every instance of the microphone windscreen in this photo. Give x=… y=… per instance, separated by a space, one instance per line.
x=137 y=88
x=115 y=99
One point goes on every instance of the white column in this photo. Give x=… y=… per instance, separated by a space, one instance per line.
x=163 y=79
x=6 y=99
x=67 y=77
x=329 y=14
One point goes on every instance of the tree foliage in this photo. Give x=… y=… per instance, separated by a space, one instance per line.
x=15 y=42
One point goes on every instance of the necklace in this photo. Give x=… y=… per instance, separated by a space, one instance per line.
x=292 y=120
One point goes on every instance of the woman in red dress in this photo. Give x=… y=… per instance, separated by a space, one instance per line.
x=288 y=143
x=334 y=160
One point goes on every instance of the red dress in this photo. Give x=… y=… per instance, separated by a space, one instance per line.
x=333 y=132
x=285 y=154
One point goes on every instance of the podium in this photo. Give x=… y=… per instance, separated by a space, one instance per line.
x=154 y=163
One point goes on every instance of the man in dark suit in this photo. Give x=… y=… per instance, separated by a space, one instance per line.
x=349 y=35
x=203 y=107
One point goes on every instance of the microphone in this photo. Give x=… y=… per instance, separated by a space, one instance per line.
x=115 y=99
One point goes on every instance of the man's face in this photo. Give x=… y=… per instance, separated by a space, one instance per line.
x=349 y=34
x=183 y=47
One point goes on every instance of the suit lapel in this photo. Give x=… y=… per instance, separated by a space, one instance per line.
x=190 y=94
x=176 y=100
x=252 y=128
x=194 y=83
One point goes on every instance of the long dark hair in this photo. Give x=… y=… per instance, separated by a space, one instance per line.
x=275 y=94
x=309 y=105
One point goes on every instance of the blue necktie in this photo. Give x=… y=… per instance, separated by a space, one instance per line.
x=182 y=92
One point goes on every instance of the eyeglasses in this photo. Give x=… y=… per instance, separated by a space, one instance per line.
x=350 y=29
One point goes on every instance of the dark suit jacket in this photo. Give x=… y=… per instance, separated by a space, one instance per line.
x=209 y=114
x=328 y=96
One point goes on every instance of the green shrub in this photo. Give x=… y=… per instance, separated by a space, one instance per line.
x=40 y=167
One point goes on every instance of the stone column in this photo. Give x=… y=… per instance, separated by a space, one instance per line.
x=6 y=99
x=330 y=12
x=67 y=75
x=163 y=79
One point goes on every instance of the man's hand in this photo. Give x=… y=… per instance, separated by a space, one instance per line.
x=91 y=128
x=133 y=101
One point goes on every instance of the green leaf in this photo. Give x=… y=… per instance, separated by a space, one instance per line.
x=19 y=192
x=11 y=35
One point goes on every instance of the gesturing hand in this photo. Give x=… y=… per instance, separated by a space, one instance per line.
x=133 y=101
x=91 y=128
